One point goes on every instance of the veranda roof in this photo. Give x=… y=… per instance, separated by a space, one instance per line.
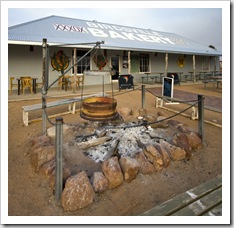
x=76 y=32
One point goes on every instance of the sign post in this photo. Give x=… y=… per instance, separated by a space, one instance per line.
x=168 y=86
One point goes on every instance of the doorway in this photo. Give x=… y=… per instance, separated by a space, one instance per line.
x=115 y=67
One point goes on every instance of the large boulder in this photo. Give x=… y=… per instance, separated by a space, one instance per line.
x=181 y=140
x=175 y=123
x=154 y=157
x=112 y=172
x=130 y=168
x=161 y=123
x=42 y=155
x=145 y=167
x=175 y=153
x=125 y=111
x=40 y=141
x=78 y=192
x=48 y=170
x=164 y=154
x=100 y=182
x=136 y=112
x=194 y=140
x=67 y=132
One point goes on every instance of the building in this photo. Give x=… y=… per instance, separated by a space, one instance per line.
x=127 y=50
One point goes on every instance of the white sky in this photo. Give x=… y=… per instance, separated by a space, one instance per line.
x=202 y=25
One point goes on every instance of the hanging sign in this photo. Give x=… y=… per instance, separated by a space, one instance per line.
x=181 y=61
x=100 y=60
x=60 y=61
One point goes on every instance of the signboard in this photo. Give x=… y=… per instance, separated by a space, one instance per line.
x=126 y=81
x=168 y=86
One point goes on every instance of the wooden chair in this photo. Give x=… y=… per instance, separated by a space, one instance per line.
x=26 y=82
x=64 y=82
x=12 y=84
x=80 y=81
x=76 y=81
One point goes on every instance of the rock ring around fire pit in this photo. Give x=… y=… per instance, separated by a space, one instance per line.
x=99 y=109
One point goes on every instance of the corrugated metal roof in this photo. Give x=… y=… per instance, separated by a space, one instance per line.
x=70 y=31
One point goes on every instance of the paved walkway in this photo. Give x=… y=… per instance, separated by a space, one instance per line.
x=211 y=103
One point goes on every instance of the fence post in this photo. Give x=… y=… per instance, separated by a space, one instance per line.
x=143 y=96
x=59 y=159
x=201 y=117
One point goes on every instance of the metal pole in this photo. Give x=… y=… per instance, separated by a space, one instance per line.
x=58 y=159
x=47 y=66
x=45 y=82
x=201 y=117
x=143 y=96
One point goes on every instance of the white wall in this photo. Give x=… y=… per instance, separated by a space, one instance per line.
x=23 y=62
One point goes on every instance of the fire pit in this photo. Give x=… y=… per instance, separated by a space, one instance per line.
x=99 y=109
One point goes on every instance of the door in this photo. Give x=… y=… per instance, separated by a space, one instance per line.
x=115 y=67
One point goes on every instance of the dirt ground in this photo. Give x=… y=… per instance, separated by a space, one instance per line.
x=29 y=193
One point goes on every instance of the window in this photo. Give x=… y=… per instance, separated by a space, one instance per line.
x=144 y=62
x=82 y=65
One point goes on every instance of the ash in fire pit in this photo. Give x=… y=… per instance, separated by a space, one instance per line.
x=123 y=142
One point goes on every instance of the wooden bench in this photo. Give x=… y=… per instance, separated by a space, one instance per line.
x=205 y=200
x=70 y=101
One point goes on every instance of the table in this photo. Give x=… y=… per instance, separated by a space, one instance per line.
x=212 y=73
x=204 y=74
x=147 y=74
x=34 y=85
x=160 y=75
x=180 y=73
x=217 y=79
x=191 y=75
x=153 y=73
